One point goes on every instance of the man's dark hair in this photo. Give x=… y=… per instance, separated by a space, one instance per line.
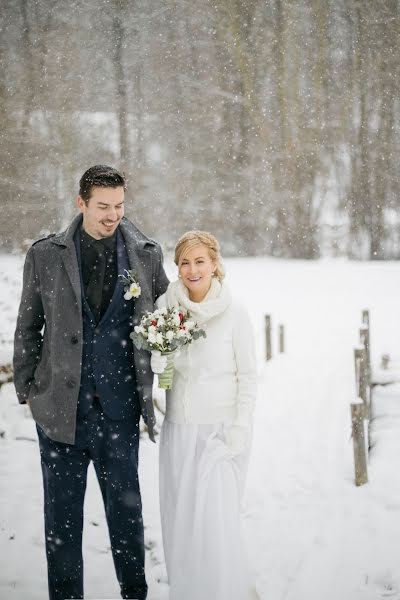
x=100 y=176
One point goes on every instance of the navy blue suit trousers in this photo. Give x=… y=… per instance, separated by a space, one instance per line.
x=113 y=447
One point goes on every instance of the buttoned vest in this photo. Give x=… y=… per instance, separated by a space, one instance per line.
x=107 y=356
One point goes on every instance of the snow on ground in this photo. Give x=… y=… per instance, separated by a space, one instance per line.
x=311 y=533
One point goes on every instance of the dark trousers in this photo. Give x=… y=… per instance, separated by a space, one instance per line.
x=113 y=448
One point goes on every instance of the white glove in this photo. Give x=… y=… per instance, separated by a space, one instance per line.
x=158 y=362
x=237 y=439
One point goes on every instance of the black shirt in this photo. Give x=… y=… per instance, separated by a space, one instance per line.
x=99 y=271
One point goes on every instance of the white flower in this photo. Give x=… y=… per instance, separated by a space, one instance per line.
x=135 y=290
x=176 y=319
x=189 y=325
x=151 y=338
x=132 y=288
x=170 y=335
x=181 y=333
x=152 y=329
x=159 y=339
x=160 y=321
x=139 y=329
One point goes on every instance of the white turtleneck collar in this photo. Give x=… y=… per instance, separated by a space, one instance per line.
x=216 y=301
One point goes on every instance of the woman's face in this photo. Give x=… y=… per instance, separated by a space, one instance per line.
x=196 y=270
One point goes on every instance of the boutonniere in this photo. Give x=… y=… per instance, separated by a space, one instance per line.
x=132 y=288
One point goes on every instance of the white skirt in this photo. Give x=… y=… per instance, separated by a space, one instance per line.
x=200 y=498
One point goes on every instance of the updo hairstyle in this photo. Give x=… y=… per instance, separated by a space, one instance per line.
x=190 y=239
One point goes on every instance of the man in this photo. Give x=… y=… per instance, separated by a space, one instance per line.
x=86 y=385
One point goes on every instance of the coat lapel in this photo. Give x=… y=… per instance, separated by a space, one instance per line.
x=139 y=257
x=71 y=266
x=68 y=253
x=140 y=262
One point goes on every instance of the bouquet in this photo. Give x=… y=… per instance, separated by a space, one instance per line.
x=166 y=330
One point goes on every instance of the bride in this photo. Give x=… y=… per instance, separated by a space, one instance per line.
x=206 y=434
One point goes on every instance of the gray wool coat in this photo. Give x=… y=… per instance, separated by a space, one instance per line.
x=48 y=337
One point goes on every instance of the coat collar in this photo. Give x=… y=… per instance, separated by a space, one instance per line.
x=132 y=235
x=138 y=247
x=66 y=237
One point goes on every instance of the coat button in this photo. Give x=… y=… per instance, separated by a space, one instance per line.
x=70 y=383
x=74 y=339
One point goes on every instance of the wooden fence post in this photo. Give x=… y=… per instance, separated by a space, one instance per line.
x=360 y=364
x=268 y=346
x=6 y=374
x=366 y=341
x=281 y=339
x=360 y=458
x=385 y=360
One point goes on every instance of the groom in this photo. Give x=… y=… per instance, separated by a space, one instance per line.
x=86 y=385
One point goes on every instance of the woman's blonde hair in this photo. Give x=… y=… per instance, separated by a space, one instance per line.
x=190 y=239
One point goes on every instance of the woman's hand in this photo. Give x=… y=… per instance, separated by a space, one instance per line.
x=158 y=362
x=237 y=439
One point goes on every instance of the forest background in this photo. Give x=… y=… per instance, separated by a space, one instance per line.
x=273 y=124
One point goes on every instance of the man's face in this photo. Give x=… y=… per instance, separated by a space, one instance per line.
x=103 y=212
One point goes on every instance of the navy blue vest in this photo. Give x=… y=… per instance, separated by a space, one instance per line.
x=107 y=356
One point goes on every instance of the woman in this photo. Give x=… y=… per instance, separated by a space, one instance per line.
x=205 y=437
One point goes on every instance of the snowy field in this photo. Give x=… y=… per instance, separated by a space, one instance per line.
x=311 y=533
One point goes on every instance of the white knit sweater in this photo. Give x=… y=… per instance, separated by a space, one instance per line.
x=215 y=377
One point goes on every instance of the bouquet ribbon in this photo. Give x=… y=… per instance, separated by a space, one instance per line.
x=166 y=378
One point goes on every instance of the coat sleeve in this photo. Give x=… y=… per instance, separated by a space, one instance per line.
x=161 y=301
x=28 y=334
x=246 y=365
x=161 y=281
